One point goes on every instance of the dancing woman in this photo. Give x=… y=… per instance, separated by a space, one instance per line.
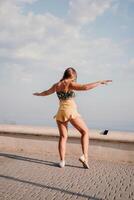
x=67 y=111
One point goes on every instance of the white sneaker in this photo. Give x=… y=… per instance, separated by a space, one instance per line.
x=84 y=162
x=62 y=163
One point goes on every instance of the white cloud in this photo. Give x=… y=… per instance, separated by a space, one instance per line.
x=30 y=51
x=131 y=62
x=26 y=1
x=18 y=1
x=52 y=41
x=84 y=11
x=115 y=7
x=129 y=69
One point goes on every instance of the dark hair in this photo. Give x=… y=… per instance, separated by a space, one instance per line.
x=68 y=73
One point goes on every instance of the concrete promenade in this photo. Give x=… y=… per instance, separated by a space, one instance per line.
x=32 y=176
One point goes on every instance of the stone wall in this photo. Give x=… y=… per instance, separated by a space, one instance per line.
x=115 y=146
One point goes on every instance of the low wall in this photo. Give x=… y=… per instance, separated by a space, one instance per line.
x=115 y=146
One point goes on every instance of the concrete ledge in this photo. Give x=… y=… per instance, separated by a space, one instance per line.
x=116 y=146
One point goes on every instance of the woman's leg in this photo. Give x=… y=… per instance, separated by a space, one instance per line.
x=62 y=126
x=80 y=125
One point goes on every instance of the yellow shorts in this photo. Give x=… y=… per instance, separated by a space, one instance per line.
x=67 y=110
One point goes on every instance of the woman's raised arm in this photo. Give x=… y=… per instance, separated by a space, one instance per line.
x=51 y=90
x=88 y=86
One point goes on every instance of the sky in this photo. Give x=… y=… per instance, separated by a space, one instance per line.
x=39 y=39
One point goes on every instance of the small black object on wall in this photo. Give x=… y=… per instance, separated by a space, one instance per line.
x=105 y=132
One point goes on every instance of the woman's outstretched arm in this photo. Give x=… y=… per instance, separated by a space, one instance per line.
x=51 y=90
x=88 y=86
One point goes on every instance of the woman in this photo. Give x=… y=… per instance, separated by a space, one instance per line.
x=67 y=112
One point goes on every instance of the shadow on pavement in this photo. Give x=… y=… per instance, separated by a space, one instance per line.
x=50 y=187
x=28 y=159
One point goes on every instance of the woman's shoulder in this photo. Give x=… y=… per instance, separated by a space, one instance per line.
x=63 y=85
x=64 y=82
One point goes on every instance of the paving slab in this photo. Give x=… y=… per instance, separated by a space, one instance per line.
x=25 y=176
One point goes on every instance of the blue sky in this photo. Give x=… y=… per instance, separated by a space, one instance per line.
x=39 y=39
x=58 y=8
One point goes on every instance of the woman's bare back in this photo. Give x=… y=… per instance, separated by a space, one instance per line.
x=63 y=85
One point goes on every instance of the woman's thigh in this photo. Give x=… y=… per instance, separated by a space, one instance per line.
x=63 y=128
x=79 y=124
